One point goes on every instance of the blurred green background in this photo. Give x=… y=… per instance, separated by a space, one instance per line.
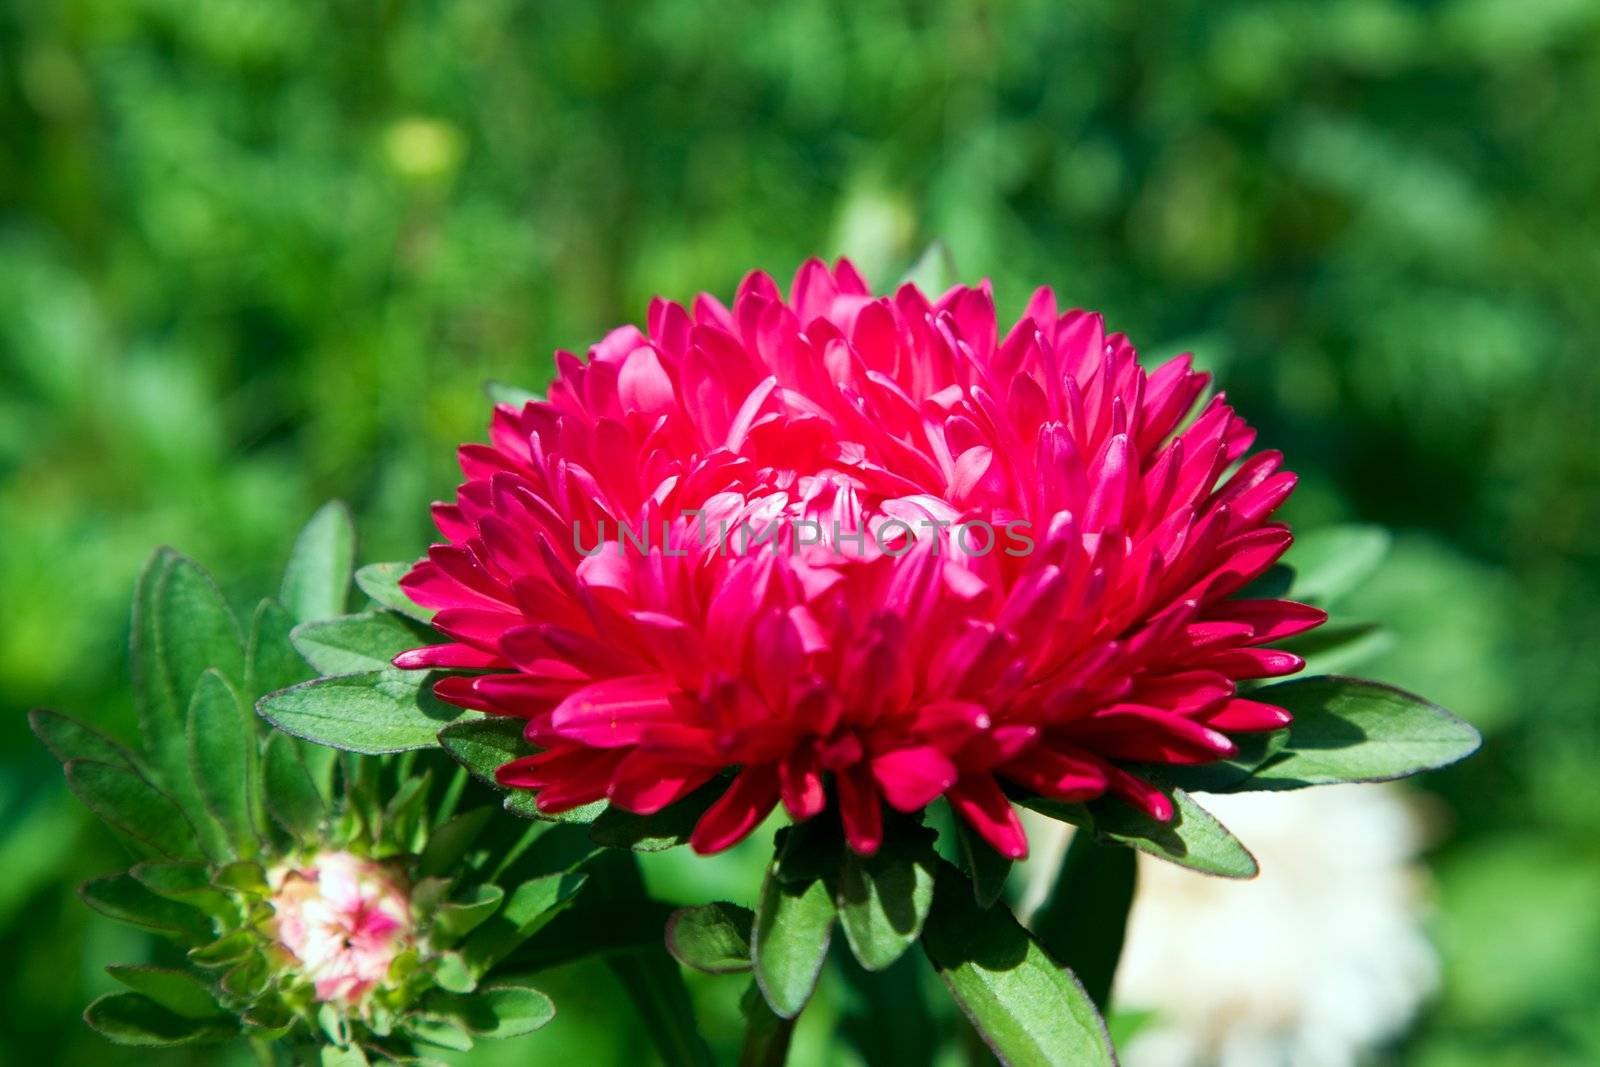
x=257 y=254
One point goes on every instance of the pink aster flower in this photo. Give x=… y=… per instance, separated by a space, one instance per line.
x=344 y=919
x=754 y=539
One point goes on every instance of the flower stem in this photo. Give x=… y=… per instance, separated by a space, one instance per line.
x=766 y=1034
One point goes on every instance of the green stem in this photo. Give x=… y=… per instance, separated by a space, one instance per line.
x=766 y=1034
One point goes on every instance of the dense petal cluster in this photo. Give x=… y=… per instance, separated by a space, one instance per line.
x=343 y=920
x=866 y=544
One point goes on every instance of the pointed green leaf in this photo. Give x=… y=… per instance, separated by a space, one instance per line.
x=132 y=1019
x=222 y=752
x=292 y=798
x=177 y=991
x=181 y=627
x=272 y=663
x=381 y=582
x=1254 y=749
x=1335 y=560
x=1349 y=730
x=68 y=739
x=353 y=644
x=713 y=938
x=316 y=582
x=1083 y=920
x=186 y=883
x=1028 y=1009
x=793 y=925
x=372 y=714
x=121 y=897
x=132 y=806
x=1193 y=839
x=883 y=899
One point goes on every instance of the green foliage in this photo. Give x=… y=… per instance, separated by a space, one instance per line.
x=713 y=938
x=789 y=940
x=272 y=800
x=254 y=255
x=374 y=713
x=1028 y=1008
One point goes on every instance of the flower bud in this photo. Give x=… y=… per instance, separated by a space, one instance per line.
x=343 y=919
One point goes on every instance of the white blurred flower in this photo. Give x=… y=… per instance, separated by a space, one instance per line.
x=344 y=919
x=1312 y=964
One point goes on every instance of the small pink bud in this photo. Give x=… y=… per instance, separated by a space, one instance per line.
x=344 y=919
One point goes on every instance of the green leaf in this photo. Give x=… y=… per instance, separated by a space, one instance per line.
x=132 y=1019
x=528 y=909
x=1083 y=920
x=457 y=918
x=987 y=869
x=1335 y=560
x=1254 y=749
x=381 y=582
x=883 y=899
x=450 y=841
x=177 y=991
x=316 y=582
x=371 y=714
x=934 y=272
x=525 y=806
x=222 y=752
x=481 y=745
x=292 y=798
x=667 y=828
x=507 y=1010
x=354 y=644
x=68 y=739
x=1028 y=1009
x=1349 y=730
x=272 y=663
x=440 y=1032
x=121 y=897
x=451 y=973
x=403 y=824
x=713 y=938
x=1193 y=839
x=334 y=1056
x=132 y=806
x=181 y=627
x=187 y=883
x=793 y=925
